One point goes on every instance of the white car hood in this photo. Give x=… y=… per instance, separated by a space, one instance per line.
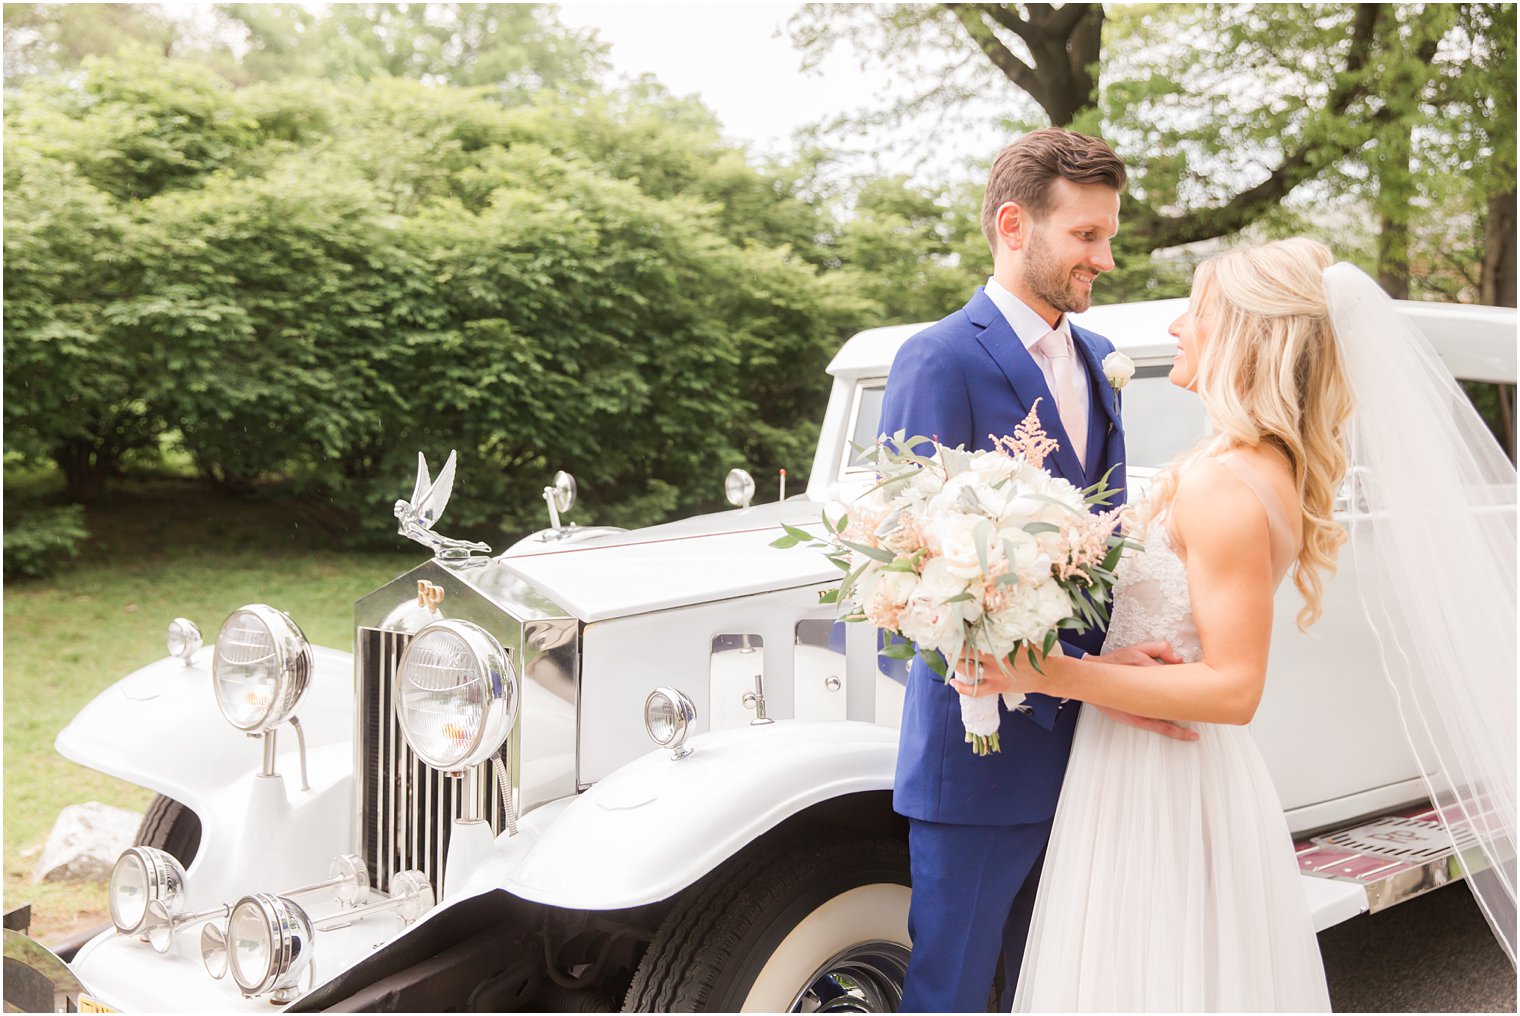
x=710 y=557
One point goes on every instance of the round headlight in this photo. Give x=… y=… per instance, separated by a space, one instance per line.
x=143 y=875
x=260 y=668
x=267 y=945
x=668 y=717
x=456 y=694
x=184 y=638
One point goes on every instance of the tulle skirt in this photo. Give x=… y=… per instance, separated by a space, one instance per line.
x=1170 y=883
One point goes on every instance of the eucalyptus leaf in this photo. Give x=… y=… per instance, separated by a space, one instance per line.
x=874 y=553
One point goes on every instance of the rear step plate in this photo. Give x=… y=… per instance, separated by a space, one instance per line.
x=1394 y=858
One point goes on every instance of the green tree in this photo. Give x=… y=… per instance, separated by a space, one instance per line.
x=43 y=39
x=1222 y=110
x=323 y=278
x=73 y=391
x=516 y=49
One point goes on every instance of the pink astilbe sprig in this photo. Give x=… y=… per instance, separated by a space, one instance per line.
x=1028 y=441
x=1082 y=544
x=861 y=527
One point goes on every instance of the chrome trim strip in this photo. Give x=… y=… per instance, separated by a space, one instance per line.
x=385 y=834
x=427 y=833
x=361 y=637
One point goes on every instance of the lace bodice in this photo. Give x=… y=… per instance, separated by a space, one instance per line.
x=1151 y=599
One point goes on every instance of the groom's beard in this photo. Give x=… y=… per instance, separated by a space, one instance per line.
x=1051 y=281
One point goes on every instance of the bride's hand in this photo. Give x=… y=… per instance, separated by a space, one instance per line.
x=997 y=676
x=1146 y=654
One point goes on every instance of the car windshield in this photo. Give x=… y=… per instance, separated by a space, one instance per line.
x=1160 y=419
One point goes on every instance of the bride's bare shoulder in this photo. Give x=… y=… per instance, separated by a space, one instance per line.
x=1213 y=505
x=1271 y=464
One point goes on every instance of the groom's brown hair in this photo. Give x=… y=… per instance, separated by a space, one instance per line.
x=1023 y=172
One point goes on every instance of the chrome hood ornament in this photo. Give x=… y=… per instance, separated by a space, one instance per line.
x=429 y=499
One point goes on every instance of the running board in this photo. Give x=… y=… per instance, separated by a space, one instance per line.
x=1375 y=865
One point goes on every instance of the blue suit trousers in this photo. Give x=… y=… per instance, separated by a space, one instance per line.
x=973 y=896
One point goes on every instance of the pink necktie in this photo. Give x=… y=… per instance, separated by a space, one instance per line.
x=1057 y=351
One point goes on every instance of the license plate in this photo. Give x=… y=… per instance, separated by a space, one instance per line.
x=88 y=1004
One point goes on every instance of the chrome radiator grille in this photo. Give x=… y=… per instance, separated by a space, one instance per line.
x=405 y=808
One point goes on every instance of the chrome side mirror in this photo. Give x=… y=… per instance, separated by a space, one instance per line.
x=739 y=488
x=559 y=496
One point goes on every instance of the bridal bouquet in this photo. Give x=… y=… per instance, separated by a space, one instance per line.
x=982 y=550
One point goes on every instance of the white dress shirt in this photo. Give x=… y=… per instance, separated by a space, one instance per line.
x=1031 y=328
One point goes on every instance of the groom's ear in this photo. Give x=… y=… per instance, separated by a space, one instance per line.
x=1012 y=225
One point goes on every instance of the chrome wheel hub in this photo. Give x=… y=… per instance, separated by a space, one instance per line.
x=864 y=978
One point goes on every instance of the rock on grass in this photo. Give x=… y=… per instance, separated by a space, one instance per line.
x=85 y=842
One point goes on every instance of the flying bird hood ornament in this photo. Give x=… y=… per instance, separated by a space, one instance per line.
x=429 y=498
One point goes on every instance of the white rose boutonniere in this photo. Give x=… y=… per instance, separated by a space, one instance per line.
x=1118 y=368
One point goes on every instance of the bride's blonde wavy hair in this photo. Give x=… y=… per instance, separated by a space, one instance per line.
x=1270 y=372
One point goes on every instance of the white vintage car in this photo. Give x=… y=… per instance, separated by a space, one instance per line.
x=641 y=770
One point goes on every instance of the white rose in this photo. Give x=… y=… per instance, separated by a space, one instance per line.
x=993 y=467
x=896 y=586
x=1029 y=557
x=957 y=546
x=966 y=494
x=1118 y=368
x=1024 y=507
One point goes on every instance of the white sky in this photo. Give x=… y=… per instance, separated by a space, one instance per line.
x=738 y=59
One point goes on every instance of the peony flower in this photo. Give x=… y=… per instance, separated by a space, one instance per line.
x=884 y=604
x=928 y=619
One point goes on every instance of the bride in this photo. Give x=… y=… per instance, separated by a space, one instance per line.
x=1170 y=881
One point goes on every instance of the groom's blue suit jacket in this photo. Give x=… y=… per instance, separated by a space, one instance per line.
x=961 y=381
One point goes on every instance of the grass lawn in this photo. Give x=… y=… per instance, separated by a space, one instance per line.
x=159 y=549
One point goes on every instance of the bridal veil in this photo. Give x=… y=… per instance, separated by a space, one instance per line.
x=1436 y=493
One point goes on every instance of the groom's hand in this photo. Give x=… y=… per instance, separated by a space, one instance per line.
x=1145 y=654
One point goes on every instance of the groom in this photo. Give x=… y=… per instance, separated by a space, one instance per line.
x=979 y=825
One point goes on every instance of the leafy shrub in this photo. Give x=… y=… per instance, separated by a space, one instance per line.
x=43 y=540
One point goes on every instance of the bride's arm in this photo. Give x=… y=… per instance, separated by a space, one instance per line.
x=1224 y=529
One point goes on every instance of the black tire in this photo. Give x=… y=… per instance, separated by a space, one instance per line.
x=765 y=927
x=170 y=826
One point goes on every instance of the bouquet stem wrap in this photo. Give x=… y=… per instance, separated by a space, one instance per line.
x=979 y=714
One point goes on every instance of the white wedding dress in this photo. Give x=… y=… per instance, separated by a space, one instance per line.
x=1170 y=883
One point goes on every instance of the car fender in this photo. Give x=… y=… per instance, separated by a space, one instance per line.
x=656 y=825
x=159 y=727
